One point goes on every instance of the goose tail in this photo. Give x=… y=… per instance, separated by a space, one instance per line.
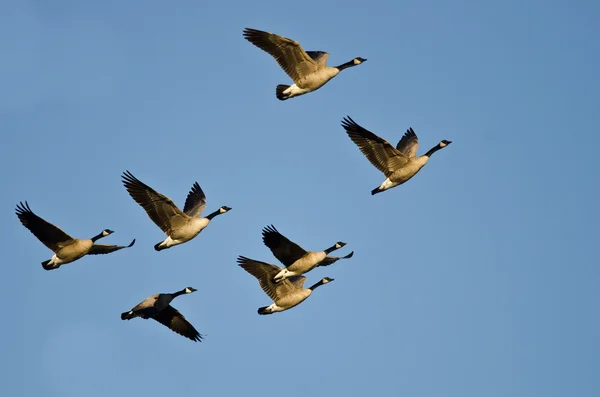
x=279 y=92
x=264 y=310
x=47 y=266
x=127 y=315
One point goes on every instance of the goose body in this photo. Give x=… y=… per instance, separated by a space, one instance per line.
x=179 y=226
x=297 y=260
x=66 y=249
x=399 y=164
x=308 y=69
x=285 y=294
x=157 y=307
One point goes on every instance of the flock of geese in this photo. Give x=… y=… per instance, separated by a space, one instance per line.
x=284 y=285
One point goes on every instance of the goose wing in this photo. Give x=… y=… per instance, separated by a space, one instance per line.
x=286 y=251
x=161 y=209
x=265 y=272
x=173 y=319
x=330 y=260
x=377 y=150
x=320 y=57
x=297 y=281
x=106 y=249
x=408 y=144
x=287 y=52
x=50 y=235
x=195 y=201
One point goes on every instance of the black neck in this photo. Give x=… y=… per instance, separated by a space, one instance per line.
x=346 y=65
x=176 y=294
x=213 y=214
x=331 y=249
x=98 y=237
x=316 y=285
x=433 y=150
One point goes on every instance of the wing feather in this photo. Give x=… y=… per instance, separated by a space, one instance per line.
x=51 y=236
x=161 y=209
x=408 y=144
x=265 y=272
x=195 y=201
x=287 y=52
x=173 y=319
x=377 y=150
x=107 y=249
x=330 y=260
x=320 y=57
x=286 y=251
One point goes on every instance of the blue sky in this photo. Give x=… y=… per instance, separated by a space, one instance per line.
x=475 y=278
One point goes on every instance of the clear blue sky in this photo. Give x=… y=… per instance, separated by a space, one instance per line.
x=478 y=277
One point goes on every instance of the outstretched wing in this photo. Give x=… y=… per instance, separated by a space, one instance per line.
x=377 y=150
x=265 y=272
x=319 y=57
x=286 y=251
x=287 y=52
x=107 y=249
x=297 y=281
x=408 y=144
x=50 y=235
x=330 y=260
x=173 y=319
x=195 y=201
x=161 y=209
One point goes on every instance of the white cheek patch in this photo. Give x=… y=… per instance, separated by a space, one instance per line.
x=222 y=210
x=356 y=61
x=105 y=233
x=337 y=245
x=442 y=144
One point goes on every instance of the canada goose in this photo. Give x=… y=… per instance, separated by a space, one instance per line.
x=308 y=69
x=66 y=248
x=399 y=164
x=296 y=260
x=285 y=294
x=180 y=226
x=157 y=307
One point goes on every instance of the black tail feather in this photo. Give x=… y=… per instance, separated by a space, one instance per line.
x=156 y=247
x=279 y=92
x=263 y=310
x=45 y=265
x=375 y=191
x=127 y=315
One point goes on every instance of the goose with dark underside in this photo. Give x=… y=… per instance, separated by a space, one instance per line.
x=157 y=307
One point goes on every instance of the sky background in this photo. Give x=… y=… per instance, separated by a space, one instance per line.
x=478 y=277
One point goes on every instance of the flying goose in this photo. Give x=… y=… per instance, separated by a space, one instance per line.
x=399 y=164
x=66 y=249
x=157 y=307
x=308 y=69
x=180 y=226
x=285 y=294
x=296 y=260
